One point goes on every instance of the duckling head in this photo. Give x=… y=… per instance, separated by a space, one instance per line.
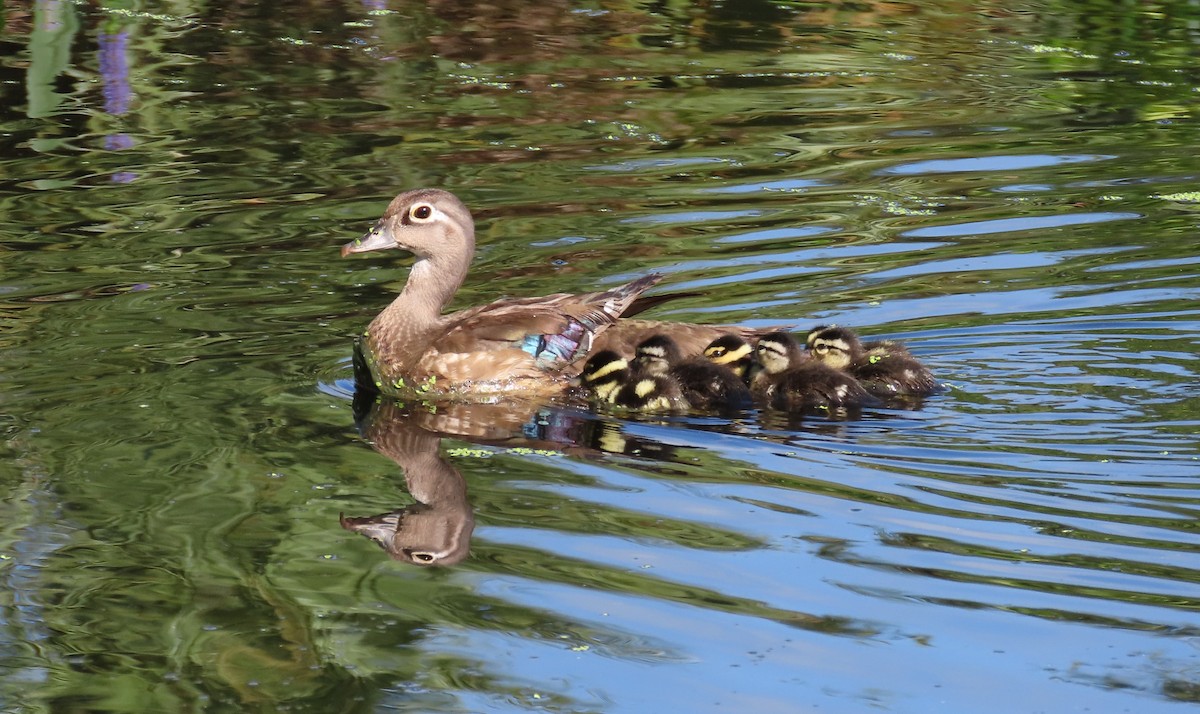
x=656 y=354
x=731 y=351
x=777 y=352
x=836 y=346
x=604 y=374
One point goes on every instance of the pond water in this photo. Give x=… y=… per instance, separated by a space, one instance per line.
x=1011 y=189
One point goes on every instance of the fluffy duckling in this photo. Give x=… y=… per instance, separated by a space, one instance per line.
x=733 y=353
x=704 y=384
x=885 y=368
x=878 y=348
x=604 y=374
x=608 y=377
x=653 y=393
x=790 y=380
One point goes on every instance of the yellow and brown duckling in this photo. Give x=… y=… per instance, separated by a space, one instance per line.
x=791 y=381
x=603 y=375
x=884 y=367
x=608 y=378
x=703 y=383
x=531 y=345
x=733 y=353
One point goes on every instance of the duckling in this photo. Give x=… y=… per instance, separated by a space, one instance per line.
x=884 y=367
x=790 y=380
x=876 y=347
x=734 y=353
x=609 y=378
x=702 y=383
x=604 y=374
x=650 y=392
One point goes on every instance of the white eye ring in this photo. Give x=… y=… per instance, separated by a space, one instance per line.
x=421 y=213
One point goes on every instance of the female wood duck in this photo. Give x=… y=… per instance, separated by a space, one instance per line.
x=885 y=368
x=609 y=379
x=791 y=381
x=514 y=345
x=703 y=383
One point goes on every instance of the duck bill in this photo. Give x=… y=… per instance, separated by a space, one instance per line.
x=378 y=238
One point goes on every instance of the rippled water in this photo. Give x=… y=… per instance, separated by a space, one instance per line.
x=1010 y=189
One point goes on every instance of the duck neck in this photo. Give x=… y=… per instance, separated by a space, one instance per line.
x=401 y=332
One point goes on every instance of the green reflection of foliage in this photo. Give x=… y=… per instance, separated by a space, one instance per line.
x=55 y=25
x=161 y=338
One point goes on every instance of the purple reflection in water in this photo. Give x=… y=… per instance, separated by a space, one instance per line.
x=116 y=142
x=114 y=71
x=118 y=94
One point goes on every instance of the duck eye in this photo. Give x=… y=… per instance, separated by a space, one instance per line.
x=820 y=348
x=421 y=212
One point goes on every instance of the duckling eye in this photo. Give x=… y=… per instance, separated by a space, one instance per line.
x=420 y=212
x=820 y=348
x=717 y=352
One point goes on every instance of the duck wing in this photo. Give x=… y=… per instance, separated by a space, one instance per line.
x=549 y=333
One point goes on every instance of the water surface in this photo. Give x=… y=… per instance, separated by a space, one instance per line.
x=1009 y=189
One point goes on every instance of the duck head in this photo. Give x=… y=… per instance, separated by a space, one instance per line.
x=426 y=222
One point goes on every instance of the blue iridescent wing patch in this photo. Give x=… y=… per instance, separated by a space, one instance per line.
x=553 y=350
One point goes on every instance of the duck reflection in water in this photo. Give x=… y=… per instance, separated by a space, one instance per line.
x=436 y=530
